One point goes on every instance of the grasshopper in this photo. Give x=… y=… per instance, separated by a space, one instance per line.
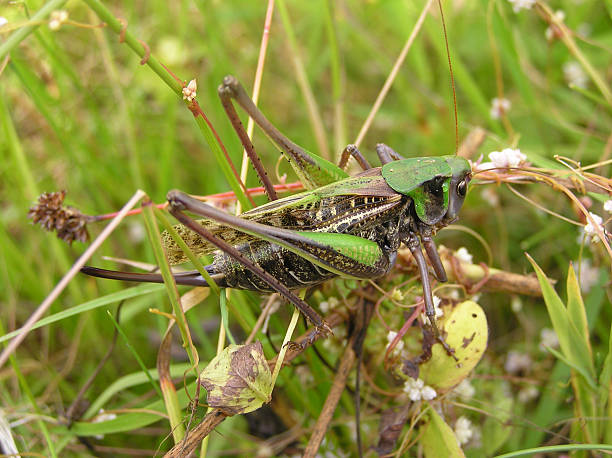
x=348 y=226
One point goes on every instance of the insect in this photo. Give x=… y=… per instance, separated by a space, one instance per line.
x=349 y=226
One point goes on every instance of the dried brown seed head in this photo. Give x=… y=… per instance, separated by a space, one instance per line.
x=50 y=212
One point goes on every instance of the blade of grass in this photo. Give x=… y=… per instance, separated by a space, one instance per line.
x=392 y=75
x=137 y=357
x=314 y=114
x=33 y=401
x=119 y=296
x=171 y=289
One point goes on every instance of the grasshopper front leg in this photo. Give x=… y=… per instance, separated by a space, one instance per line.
x=414 y=245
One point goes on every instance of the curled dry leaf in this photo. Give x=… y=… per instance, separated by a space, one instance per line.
x=238 y=380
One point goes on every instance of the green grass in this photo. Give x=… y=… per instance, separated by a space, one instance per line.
x=78 y=112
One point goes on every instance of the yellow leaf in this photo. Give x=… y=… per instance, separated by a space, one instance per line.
x=466 y=331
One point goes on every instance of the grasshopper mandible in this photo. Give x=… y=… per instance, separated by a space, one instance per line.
x=349 y=226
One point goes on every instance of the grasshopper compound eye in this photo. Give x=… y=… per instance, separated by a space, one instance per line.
x=462 y=188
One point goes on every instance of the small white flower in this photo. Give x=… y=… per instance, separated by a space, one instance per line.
x=516 y=304
x=464 y=255
x=397 y=295
x=464 y=389
x=453 y=294
x=3 y=21
x=428 y=393
x=608 y=206
x=101 y=417
x=559 y=15
x=589 y=275
x=574 y=74
x=190 y=91
x=437 y=308
x=528 y=394
x=463 y=430
x=550 y=31
x=136 y=232
x=589 y=228
x=518 y=5
x=417 y=390
x=517 y=362
x=548 y=338
x=499 y=107
x=399 y=346
x=57 y=18
x=329 y=304
x=490 y=196
x=508 y=157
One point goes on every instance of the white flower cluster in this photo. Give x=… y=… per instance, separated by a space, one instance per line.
x=464 y=389
x=3 y=21
x=437 y=308
x=588 y=275
x=190 y=91
x=417 y=390
x=508 y=157
x=463 y=430
x=391 y=335
x=528 y=394
x=329 y=304
x=590 y=228
x=607 y=206
x=517 y=362
x=102 y=417
x=57 y=18
x=574 y=74
x=463 y=255
x=548 y=338
x=518 y=5
x=499 y=107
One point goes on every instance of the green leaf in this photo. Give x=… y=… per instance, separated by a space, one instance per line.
x=576 y=310
x=605 y=379
x=438 y=438
x=139 y=290
x=572 y=344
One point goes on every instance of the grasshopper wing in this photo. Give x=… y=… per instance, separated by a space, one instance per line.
x=332 y=208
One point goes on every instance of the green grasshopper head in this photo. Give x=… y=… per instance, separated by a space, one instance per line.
x=461 y=174
x=436 y=185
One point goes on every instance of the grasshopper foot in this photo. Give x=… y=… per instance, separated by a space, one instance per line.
x=440 y=338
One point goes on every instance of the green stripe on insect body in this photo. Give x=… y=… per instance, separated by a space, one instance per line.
x=362 y=250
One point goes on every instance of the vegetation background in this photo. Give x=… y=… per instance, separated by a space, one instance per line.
x=78 y=112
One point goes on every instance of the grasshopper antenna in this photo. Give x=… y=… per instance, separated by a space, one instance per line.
x=452 y=77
